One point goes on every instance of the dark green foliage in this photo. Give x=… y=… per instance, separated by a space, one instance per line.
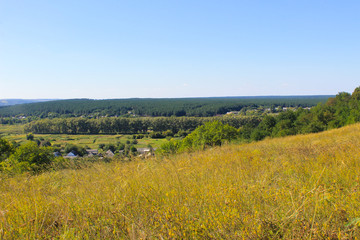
x=112 y=125
x=101 y=146
x=139 y=136
x=28 y=157
x=157 y=135
x=264 y=129
x=110 y=147
x=45 y=144
x=170 y=147
x=339 y=111
x=168 y=133
x=247 y=129
x=199 y=107
x=120 y=146
x=6 y=149
x=210 y=134
x=133 y=149
x=30 y=136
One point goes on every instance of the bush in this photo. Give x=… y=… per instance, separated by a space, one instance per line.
x=210 y=134
x=29 y=157
x=168 y=133
x=110 y=147
x=170 y=147
x=101 y=146
x=120 y=146
x=45 y=144
x=30 y=136
x=6 y=148
x=133 y=149
x=140 y=136
x=157 y=135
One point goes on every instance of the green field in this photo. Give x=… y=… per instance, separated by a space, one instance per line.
x=6 y=130
x=16 y=133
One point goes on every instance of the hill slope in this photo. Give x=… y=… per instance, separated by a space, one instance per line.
x=293 y=188
x=9 y=102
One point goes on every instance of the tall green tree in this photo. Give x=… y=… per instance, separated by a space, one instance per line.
x=210 y=134
x=6 y=149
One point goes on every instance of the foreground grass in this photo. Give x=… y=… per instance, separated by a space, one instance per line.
x=290 y=188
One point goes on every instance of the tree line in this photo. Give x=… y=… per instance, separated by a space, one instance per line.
x=336 y=112
x=121 y=125
x=339 y=111
x=197 y=107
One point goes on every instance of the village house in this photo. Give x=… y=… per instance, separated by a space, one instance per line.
x=92 y=152
x=71 y=154
x=109 y=153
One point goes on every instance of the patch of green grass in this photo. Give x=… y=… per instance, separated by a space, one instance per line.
x=16 y=133
x=6 y=129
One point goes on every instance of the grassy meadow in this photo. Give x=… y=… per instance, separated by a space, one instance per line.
x=298 y=187
x=16 y=133
x=8 y=130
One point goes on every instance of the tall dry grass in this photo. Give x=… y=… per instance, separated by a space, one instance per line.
x=291 y=188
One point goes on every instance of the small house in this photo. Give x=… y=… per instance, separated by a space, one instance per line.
x=109 y=153
x=72 y=154
x=92 y=152
x=57 y=154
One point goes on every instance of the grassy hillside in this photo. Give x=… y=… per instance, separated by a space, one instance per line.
x=294 y=187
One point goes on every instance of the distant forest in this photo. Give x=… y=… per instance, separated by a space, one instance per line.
x=190 y=107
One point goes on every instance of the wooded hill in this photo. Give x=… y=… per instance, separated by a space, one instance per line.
x=199 y=107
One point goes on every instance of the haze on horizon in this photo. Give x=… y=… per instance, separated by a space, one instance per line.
x=166 y=49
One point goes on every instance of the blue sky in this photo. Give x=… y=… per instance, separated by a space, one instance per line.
x=177 y=48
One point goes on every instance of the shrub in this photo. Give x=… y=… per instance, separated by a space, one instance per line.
x=210 y=134
x=101 y=146
x=170 y=147
x=30 y=136
x=29 y=157
x=110 y=147
x=157 y=135
x=120 y=146
x=6 y=148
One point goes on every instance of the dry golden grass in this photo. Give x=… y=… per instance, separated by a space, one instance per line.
x=291 y=188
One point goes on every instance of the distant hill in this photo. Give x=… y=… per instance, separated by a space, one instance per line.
x=201 y=107
x=10 y=102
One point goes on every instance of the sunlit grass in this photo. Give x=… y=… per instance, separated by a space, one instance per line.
x=16 y=133
x=299 y=187
x=6 y=129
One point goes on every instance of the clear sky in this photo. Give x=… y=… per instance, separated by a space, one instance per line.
x=178 y=48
